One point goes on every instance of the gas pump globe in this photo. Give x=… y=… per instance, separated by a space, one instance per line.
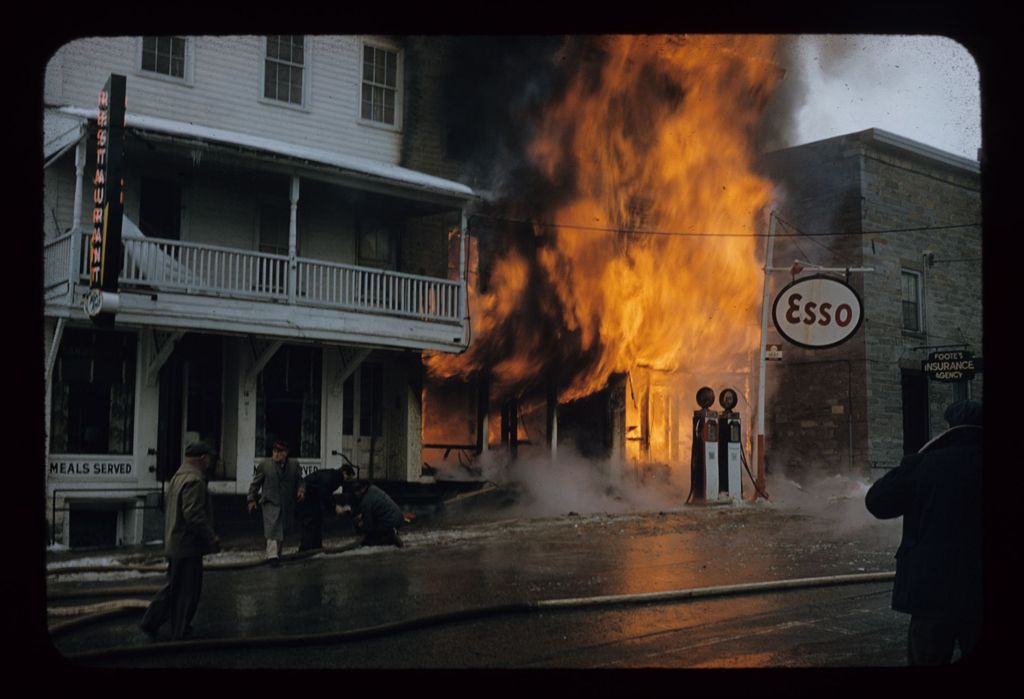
x=704 y=476
x=730 y=452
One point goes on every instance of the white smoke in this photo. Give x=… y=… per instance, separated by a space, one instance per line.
x=837 y=497
x=540 y=486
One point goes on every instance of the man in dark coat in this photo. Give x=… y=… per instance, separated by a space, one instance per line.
x=939 y=562
x=377 y=516
x=276 y=485
x=319 y=489
x=188 y=534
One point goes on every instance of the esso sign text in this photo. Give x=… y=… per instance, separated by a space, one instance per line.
x=817 y=312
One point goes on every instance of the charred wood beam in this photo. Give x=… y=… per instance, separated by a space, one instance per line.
x=552 y=418
x=482 y=402
x=510 y=426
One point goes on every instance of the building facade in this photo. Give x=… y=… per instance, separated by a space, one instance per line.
x=905 y=219
x=288 y=252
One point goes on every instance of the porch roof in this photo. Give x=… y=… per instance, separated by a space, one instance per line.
x=364 y=168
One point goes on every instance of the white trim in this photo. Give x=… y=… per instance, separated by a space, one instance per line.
x=880 y=136
x=920 y=300
x=383 y=45
x=187 y=80
x=307 y=77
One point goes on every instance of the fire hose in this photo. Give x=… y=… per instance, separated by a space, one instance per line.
x=333 y=637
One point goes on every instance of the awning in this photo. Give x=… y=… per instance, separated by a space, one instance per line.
x=60 y=132
x=348 y=164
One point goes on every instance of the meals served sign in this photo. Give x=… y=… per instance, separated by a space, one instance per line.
x=93 y=469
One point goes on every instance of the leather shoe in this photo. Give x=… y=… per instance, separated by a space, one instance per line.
x=274 y=562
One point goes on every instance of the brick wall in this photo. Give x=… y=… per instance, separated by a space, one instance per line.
x=424 y=146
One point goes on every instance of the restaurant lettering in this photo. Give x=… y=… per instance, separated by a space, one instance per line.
x=107 y=194
x=91 y=468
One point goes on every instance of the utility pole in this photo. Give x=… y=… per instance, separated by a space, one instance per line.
x=759 y=438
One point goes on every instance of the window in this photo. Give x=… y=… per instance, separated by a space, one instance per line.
x=376 y=241
x=202 y=376
x=165 y=55
x=160 y=208
x=911 y=283
x=284 y=69
x=93 y=408
x=288 y=402
x=371 y=402
x=274 y=224
x=380 y=85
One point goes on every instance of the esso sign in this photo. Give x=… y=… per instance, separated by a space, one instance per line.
x=817 y=312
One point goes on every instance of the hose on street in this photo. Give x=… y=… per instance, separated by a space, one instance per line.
x=334 y=637
x=162 y=567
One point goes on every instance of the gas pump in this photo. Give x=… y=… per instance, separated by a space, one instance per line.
x=729 y=449
x=704 y=453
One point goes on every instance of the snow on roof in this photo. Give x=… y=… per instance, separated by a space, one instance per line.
x=60 y=132
x=364 y=166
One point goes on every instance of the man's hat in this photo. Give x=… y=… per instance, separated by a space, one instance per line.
x=197 y=449
x=965 y=412
x=280 y=444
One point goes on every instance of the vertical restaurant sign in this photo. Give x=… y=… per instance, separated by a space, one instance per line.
x=108 y=196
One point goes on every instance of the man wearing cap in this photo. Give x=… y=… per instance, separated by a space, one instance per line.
x=939 y=562
x=188 y=534
x=280 y=480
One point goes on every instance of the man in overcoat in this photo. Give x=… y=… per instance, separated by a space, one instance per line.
x=188 y=534
x=276 y=486
x=938 y=492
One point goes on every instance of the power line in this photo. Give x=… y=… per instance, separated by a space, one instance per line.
x=819 y=244
x=695 y=234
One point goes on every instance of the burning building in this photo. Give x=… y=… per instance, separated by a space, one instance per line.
x=621 y=268
x=621 y=257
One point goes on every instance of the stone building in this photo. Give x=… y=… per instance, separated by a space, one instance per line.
x=909 y=216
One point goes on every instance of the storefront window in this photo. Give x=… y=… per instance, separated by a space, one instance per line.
x=288 y=398
x=93 y=398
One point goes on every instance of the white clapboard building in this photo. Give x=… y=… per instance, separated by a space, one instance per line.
x=282 y=269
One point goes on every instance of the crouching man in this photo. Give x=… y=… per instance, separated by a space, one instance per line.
x=377 y=516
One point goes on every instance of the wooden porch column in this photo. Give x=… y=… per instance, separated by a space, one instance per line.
x=293 y=237
x=76 y=221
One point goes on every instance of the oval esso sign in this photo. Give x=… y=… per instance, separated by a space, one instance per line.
x=817 y=312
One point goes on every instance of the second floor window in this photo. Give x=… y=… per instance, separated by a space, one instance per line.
x=164 y=55
x=380 y=85
x=911 y=294
x=283 y=70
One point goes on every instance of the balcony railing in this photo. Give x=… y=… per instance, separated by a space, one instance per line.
x=208 y=270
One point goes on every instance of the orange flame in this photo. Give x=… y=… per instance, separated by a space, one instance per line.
x=661 y=144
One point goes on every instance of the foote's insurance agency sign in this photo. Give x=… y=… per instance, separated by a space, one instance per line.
x=817 y=312
x=958 y=365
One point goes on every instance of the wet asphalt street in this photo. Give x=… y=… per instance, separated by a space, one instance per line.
x=299 y=615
